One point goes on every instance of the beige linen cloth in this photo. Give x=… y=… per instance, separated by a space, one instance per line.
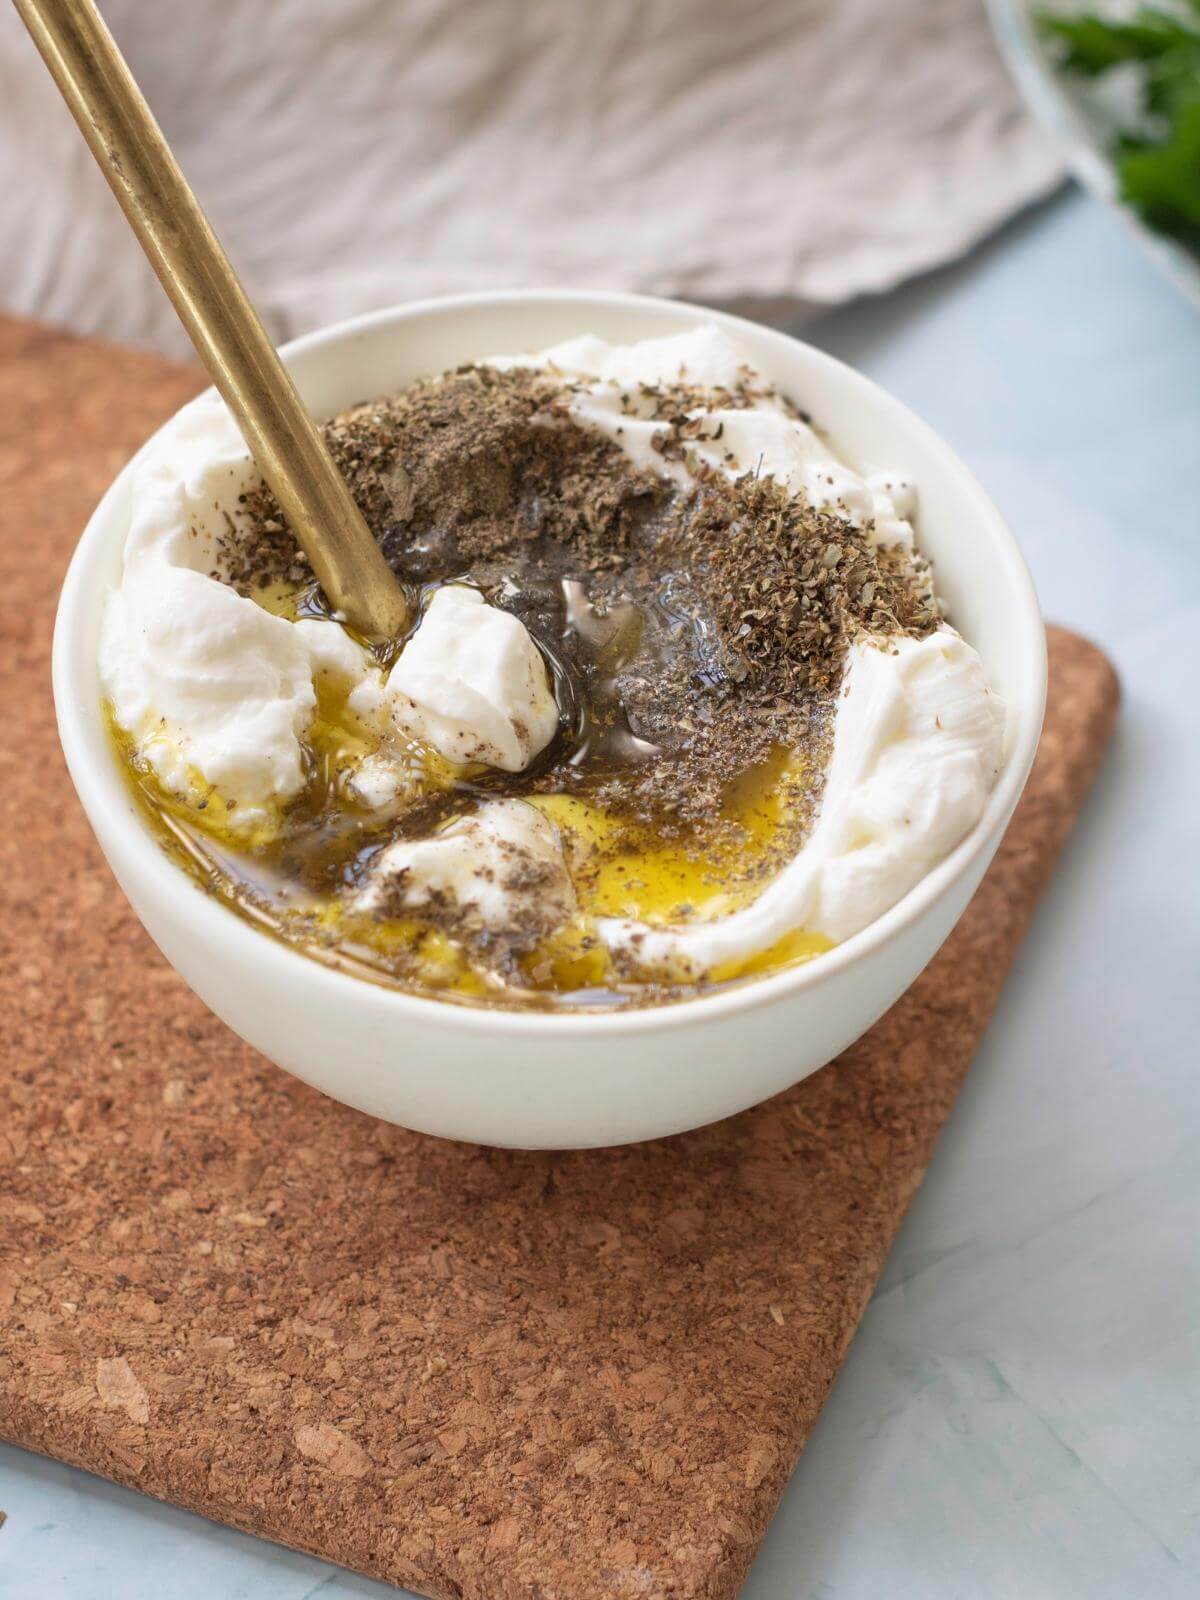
x=788 y=154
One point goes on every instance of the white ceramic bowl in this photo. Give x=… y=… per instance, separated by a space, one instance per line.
x=536 y=1080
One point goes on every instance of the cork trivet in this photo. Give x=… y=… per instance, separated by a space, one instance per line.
x=472 y=1372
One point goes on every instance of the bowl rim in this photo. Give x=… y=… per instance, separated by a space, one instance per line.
x=98 y=787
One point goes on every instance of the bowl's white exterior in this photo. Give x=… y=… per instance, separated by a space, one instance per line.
x=555 y=1081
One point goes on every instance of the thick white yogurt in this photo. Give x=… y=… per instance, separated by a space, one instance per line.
x=918 y=736
x=503 y=865
x=918 y=741
x=762 y=439
x=215 y=690
x=471 y=683
x=210 y=686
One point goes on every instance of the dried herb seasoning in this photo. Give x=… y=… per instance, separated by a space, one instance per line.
x=690 y=628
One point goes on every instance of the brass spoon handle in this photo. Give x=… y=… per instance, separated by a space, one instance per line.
x=207 y=294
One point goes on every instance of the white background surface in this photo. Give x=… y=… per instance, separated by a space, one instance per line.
x=1020 y=1414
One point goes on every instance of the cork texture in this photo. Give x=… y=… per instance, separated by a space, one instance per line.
x=475 y=1373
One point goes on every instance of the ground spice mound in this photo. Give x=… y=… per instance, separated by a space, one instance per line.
x=690 y=630
x=481 y=464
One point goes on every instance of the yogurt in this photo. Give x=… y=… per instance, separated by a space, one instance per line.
x=918 y=736
x=215 y=691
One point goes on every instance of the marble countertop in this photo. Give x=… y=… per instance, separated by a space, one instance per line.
x=1020 y=1413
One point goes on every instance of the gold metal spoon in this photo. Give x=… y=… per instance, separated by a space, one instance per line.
x=212 y=305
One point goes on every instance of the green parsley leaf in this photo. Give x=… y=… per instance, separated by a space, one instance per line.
x=1158 y=162
x=1162 y=181
x=1092 y=45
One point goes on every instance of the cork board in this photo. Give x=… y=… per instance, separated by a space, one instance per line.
x=475 y=1373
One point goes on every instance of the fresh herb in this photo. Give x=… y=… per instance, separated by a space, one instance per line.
x=1158 y=163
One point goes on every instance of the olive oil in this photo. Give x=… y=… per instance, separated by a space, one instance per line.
x=293 y=871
